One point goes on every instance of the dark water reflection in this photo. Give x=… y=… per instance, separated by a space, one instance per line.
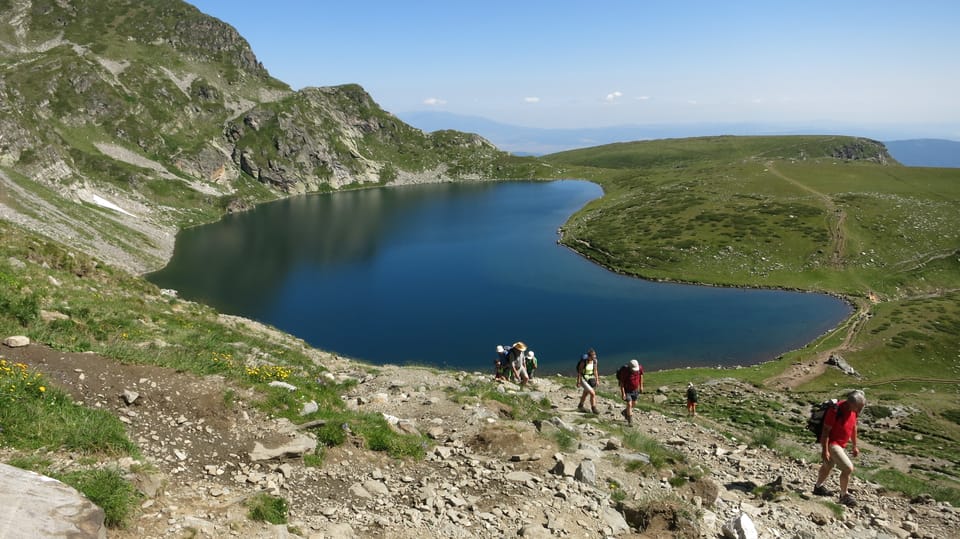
x=440 y=274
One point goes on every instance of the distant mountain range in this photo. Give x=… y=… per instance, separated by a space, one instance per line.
x=539 y=141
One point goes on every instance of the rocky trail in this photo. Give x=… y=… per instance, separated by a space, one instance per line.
x=486 y=476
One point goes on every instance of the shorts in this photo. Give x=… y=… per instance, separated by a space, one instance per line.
x=839 y=458
x=589 y=385
x=633 y=395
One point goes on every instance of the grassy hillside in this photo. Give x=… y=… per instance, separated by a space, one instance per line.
x=832 y=214
x=167 y=113
x=777 y=211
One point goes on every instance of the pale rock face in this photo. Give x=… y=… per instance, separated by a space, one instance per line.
x=32 y=505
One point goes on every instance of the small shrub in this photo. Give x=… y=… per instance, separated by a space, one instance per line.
x=108 y=489
x=660 y=455
x=565 y=439
x=24 y=309
x=34 y=463
x=229 y=398
x=952 y=415
x=332 y=434
x=765 y=437
x=315 y=459
x=267 y=508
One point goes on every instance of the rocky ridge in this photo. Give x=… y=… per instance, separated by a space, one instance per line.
x=485 y=476
x=129 y=120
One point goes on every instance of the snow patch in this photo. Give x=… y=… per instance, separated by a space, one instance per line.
x=100 y=201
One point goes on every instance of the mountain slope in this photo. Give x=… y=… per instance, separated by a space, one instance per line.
x=127 y=120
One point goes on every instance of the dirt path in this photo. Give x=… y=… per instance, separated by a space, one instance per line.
x=803 y=372
x=836 y=217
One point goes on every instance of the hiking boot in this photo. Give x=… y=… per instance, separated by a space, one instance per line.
x=848 y=500
x=820 y=490
x=581 y=409
x=595 y=411
x=629 y=419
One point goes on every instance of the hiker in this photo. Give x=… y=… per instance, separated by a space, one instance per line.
x=517 y=360
x=588 y=378
x=500 y=363
x=531 y=363
x=691 y=400
x=630 y=377
x=839 y=428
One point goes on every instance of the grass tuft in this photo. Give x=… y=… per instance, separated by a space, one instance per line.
x=266 y=508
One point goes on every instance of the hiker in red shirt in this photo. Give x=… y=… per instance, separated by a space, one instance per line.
x=630 y=377
x=839 y=428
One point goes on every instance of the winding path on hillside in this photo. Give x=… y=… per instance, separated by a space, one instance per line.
x=836 y=217
x=800 y=373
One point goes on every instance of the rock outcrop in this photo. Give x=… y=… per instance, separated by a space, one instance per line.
x=33 y=505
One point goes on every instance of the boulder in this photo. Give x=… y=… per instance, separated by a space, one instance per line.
x=586 y=472
x=740 y=527
x=837 y=361
x=33 y=505
x=295 y=446
x=17 y=341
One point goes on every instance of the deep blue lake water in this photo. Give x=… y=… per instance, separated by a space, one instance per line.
x=441 y=274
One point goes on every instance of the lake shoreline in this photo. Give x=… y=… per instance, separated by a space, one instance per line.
x=721 y=321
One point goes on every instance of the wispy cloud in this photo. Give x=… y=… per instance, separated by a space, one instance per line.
x=434 y=101
x=643 y=98
x=613 y=96
x=531 y=99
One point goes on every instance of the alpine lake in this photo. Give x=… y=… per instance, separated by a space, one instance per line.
x=440 y=274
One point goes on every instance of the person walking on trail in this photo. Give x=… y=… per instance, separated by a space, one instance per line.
x=630 y=377
x=691 y=400
x=840 y=428
x=531 y=363
x=588 y=378
x=517 y=359
x=500 y=364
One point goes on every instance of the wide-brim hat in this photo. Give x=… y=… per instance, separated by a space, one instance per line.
x=520 y=346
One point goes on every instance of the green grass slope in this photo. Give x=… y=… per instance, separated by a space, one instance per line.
x=831 y=214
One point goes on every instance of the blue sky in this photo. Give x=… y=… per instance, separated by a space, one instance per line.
x=567 y=63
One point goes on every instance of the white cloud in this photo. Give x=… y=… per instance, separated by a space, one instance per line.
x=434 y=101
x=643 y=98
x=531 y=99
x=611 y=97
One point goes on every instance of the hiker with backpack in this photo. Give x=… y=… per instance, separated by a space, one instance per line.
x=630 y=377
x=839 y=427
x=692 y=398
x=500 y=364
x=588 y=378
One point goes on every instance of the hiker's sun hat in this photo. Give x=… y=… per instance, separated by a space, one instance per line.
x=520 y=346
x=530 y=354
x=634 y=365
